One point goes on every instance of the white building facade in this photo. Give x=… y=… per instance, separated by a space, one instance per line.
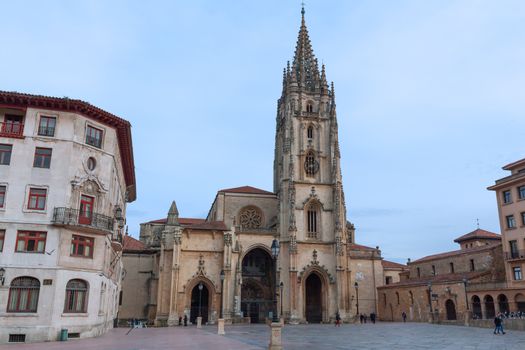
x=66 y=174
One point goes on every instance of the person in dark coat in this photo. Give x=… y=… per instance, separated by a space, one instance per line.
x=337 y=320
x=404 y=315
x=361 y=318
x=498 y=322
x=185 y=320
x=373 y=317
x=180 y=320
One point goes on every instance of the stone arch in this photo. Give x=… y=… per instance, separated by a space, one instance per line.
x=451 y=310
x=503 y=303
x=315 y=286
x=519 y=299
x=490 y=310
x=256 y=246
x=476 y=307
x=251 y=217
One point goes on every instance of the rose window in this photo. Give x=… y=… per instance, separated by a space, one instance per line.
x=251 y=218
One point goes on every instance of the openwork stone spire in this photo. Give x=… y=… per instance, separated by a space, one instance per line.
x=305 y=70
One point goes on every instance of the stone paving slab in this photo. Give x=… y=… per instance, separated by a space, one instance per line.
x=394 y=336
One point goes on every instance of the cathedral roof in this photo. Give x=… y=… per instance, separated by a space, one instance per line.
x=131 y=244
x=442 y=278
x=360 y=247
x=456 y=252
x=392 y=265
x=182 y=221
x=209 y=225
x=478 y=234
x=246 y=189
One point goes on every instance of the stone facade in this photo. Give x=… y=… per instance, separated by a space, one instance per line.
x=318 y=264
x=61 y=216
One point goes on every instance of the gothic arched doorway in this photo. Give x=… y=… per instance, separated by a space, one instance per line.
x=199 y=303
x=313 y=299
x=451 y=310
x=489 y=307
x=257 y=285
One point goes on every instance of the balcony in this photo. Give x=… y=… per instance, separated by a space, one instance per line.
x=515 y=255
x=12 y=129
x=81 y=220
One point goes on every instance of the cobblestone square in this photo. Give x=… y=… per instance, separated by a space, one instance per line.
x=247 y=337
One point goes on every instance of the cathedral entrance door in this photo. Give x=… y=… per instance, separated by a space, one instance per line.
x=199 y=304
x=313 y=300
x=257 y=282
x=451 y=310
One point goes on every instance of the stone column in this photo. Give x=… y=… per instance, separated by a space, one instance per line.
x=173 y=318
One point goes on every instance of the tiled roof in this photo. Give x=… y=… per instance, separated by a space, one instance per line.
x=246 y=189
x=131 y=244
x=209 y=225
x=359 y=247
x=392 y=265
x=449 y=277
x=182 y=221
x=478 y=234
x=122 y=127
x=456 y=252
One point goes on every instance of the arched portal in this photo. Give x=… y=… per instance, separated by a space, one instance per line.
x=476 y=307
x=520 y=302
x=451 y=310
x=199 y=303
x=489 y=307
x=257 y=285
x=503 y=303
x=314 y=299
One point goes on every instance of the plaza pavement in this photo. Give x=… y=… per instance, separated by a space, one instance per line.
x=304 y=337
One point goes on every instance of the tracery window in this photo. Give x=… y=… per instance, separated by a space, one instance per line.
x=251 y=217
x=312 y=219
x=311 y=166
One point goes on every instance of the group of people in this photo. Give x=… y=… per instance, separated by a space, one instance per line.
x=498 y=323
x=185 y=320
x=362 y=318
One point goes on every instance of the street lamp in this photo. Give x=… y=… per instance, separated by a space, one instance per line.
x=465 y=281
x=275 y=254
x=281 y=286
x=2 y=274
x=356 y=285
x=222 y=290
x=200 y=297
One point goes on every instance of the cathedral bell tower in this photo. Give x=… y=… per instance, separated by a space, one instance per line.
x=308 y=182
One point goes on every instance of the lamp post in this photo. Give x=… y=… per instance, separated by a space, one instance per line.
x=276 y=328
x=356 y=285
x=430 y=300
x=199 y=319
x=281 y=286
x=465 y=281
x=220 y=324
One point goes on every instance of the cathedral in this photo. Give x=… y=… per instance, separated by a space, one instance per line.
x=223 y=265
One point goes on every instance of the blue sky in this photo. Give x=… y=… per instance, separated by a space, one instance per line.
x=430 y=97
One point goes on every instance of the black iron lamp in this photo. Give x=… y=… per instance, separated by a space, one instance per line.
x=200 y=297
x=356 y=285
x=222 y=288
x=275 y=253
x=465 y=282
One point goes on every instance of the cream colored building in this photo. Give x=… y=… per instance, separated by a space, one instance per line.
x=319 y=263
x=66 y=174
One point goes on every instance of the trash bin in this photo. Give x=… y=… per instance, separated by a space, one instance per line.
x=63 y=334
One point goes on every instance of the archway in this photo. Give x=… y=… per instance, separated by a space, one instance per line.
x=257 y=285
x=313 y=299
x=476 y=307
x=451 y=310
x=199 y=303
x=503 y=303
x=520 y=302
x=489 y=307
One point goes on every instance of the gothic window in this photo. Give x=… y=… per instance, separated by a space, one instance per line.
x=312 y=218
x=311 y=166
x=309 y=108
x=251 y=217
x=310 y=132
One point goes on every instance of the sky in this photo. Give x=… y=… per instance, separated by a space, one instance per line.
x=430 y=99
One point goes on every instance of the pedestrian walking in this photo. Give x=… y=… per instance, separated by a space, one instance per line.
x=180 y=320
x=498 y=323
x=373 y=317
x=404 y=315
x=366 y=317
x=361 y=318
x=337 y=320
x=185 y=320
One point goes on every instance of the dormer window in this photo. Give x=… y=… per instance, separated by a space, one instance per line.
x=310 y=132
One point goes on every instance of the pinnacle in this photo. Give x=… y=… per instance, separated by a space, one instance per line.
x=305 y=67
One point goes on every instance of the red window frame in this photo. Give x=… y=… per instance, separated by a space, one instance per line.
x=94 y=136
x=76 y=293
x=42 y=157
x=85 y=215
x=37 y=199
x=2 y=239
x=31 y=288
x=47 y=125
x=79 y=245
x=3 y=190
x=31 y=236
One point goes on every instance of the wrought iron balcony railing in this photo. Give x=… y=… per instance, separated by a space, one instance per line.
x=74 y=217
x=10 y=129
x=515 y=254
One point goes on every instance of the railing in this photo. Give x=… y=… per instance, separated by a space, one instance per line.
x=10 y=129
x=515 y=254
x=73 y=217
